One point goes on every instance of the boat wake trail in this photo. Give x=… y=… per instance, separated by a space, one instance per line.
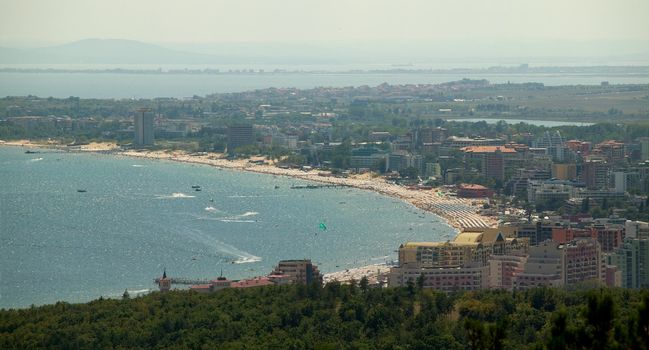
x=257 y=196
x=176 y=195
x=138 y=165
x=221 y=247
x=241 y=218
x=140 y=291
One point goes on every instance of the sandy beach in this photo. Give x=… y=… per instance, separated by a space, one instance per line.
x=375 y=274
x=459 y=213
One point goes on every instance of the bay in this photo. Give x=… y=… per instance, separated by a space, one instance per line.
x=138 y=217
x=120 y=85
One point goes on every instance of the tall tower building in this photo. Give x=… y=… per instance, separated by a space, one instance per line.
x=644 y=148
x=595 y=173
x=238 y=136
x=632 y=258
x=143 y=128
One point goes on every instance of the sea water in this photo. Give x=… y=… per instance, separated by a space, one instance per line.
x=122 y=85
x=138 y=217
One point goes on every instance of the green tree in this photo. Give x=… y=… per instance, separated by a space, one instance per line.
x=420 y=281
x=341 y=155
x=585 y=205
x=600 y=315
x=364 y=284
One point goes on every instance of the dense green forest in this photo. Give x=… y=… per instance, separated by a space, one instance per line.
x=339 y=316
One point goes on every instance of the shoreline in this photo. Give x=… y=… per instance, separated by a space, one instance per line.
x=456 y=212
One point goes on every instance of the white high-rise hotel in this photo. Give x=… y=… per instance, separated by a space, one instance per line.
x=143 y=128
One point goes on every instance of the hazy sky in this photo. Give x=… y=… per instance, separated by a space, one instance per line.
x=41 y=22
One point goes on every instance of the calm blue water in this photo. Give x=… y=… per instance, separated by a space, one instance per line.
x=139 y=216
x=546 y=123
x=113 y=85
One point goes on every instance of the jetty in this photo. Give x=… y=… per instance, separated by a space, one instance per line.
x=184 y=280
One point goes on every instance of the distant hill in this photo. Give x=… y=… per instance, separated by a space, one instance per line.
x=105 y=51
x=437 y=53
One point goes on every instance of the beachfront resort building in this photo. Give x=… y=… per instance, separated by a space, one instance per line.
x=494 y=258
x=461 y=264
x=298 y=271
x=473 y=191
x=554 y=264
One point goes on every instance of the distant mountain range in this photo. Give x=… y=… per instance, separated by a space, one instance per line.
x=104 y=51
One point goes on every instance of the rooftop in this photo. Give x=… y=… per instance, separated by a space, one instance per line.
x=487 y=149
x=471 y=187
x=253 y=282
x=468 y=237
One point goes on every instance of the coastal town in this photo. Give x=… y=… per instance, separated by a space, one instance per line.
x=531 y=205
x=324 y=175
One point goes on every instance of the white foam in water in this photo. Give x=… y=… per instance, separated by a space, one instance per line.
x=221 y=247
x=137 y=165
x=140 y=291
x=35 y=159
x=257 y=196
x=247 y=260
x=240 y=217
x=380 y=258
x=176 y=195
x=212 y=209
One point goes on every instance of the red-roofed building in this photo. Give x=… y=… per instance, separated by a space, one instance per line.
x=212 y=286
x=201 y=288
x=220 y=283
x=473 y=191
x=279 y=279
x=580 y=147
x=614 y=151
x=253 y=282
x=488 y=149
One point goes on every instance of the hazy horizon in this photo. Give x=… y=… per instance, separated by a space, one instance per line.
x=435 y=54
x=416 y=31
